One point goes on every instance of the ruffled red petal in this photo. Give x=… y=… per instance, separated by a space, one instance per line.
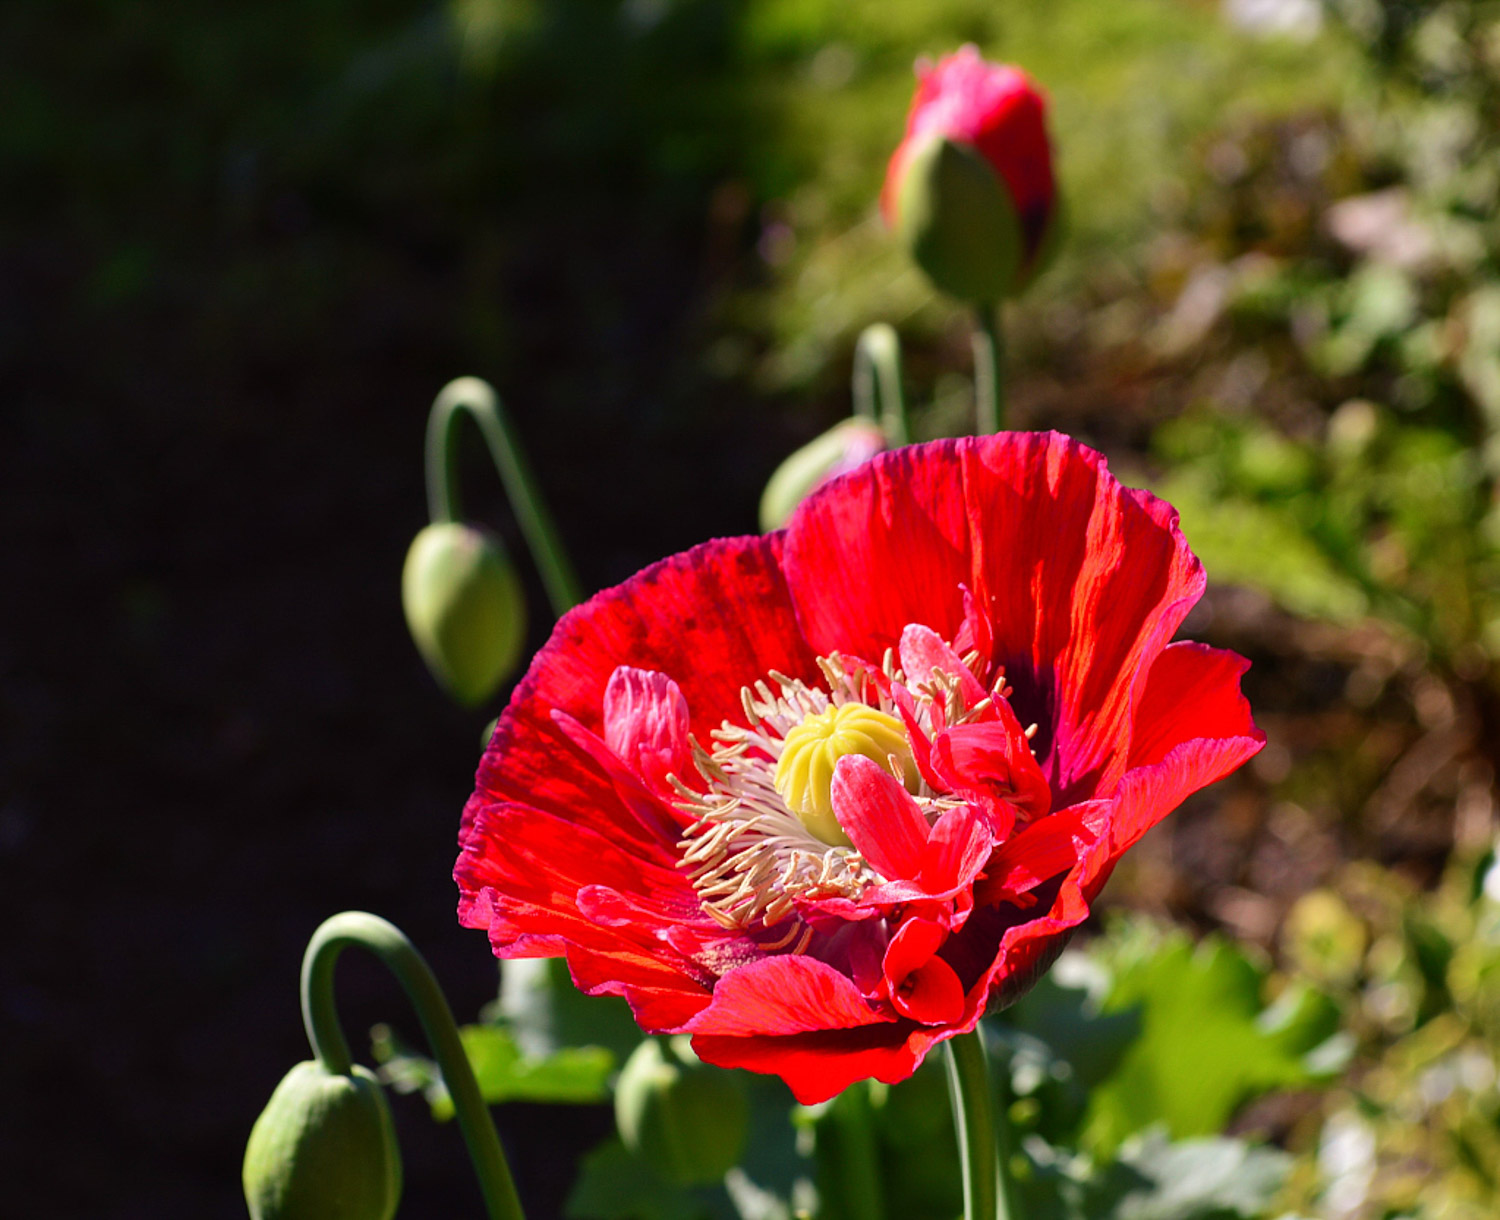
x=777 y=996
x=822 y=1064
x=1083 y=580
x=711 y=619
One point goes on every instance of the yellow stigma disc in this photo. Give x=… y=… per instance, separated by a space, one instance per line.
x=804 y=773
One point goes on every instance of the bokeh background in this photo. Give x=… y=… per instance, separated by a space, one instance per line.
x=242 y=246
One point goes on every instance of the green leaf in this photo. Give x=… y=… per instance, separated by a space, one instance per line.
x=545 y=1012
x=577 y=1074
x=504 y=1073
x=1203 y=1050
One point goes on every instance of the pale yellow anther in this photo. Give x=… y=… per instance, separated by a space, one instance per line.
x=804 y=773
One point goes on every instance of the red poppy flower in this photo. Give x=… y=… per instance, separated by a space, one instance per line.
x=820 y=797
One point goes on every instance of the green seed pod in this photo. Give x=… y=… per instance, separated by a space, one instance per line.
x=323 y=1149
x=465 y=609
x=958 y=221
x=844 y=446
x=687 y=1120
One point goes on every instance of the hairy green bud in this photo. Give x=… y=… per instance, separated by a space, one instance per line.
x=323 y=1148
x=465 y=609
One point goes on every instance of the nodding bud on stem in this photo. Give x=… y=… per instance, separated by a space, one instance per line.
x=323 y=1149
x=687 y=1120
x=465 y=609
x=849 y=443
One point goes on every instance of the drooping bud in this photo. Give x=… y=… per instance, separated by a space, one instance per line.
x=323 y=1148
x=970 y=191
x=465 y=609
x=849 y=443
x=688 y=1120
x=812 y=749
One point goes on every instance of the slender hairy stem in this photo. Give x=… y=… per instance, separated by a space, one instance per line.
x=320 y=1016
x=478 y=399
x=983 y=1138
x=989 y=369
x=877 y=382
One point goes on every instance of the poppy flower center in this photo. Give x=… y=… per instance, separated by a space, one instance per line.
x=809 y=753
x=765 y=847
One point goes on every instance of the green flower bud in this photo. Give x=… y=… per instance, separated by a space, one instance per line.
x=687 y=1120
x=847 y=444
x=958 y=221
x=465 y=609
x=323 y=1149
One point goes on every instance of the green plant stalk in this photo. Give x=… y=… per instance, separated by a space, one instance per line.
x=983 y=1139
x=989 y=370
x=326 y=1036
x=477 y=398
x=859 y=1184
x=877 y=382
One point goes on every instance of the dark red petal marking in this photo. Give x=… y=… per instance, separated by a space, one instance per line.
x=1085 y=582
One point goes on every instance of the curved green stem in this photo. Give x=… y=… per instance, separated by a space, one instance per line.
x=320 y=1016
x=478 y=399
x=983 y=1138
x=877 y=382
x=989 y=370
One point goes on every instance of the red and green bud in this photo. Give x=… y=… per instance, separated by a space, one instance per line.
x=971 y=191
x=687 y=1120
x=323 y=1148
x=465 y=609
x=848 y=444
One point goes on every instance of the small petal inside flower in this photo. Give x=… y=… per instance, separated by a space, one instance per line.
x=804 y=773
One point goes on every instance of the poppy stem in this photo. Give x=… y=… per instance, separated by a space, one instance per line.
x=989 y=369
x=326 y=1036
x=477 y=398
x=877 y=382
x=983 y=1138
